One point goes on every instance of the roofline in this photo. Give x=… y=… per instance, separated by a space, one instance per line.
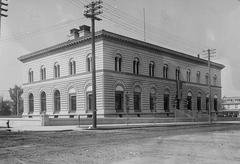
x=106 y=34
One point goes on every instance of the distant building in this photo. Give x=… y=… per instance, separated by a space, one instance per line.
x=132 y=76
x=231 y=104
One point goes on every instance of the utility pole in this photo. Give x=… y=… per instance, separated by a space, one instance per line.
x=92 y=11
x=17 y=103
x=209 y=53
x=1 y=14
x=144 y=25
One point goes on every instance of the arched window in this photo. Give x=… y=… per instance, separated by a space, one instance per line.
x=207 y=78
x=43 y=73
x=72 y=100
x=57 y=102
x=215 y=80
x=199 y=102
x=151 y=69
x=43 y=102
x=89 y=99
x=136 y=66
x=198 y=76
x=207 y=102
x=188 y=75
x=137 y=99
x=177 y=73
x=118 y=63
x=165 y=71
x=152 y=100
x=89 y=63
x=56 y=70
x=72 y=67
x=189 y=101
x=119 y=100
x=166 y=100
x=31 y=103
x=30 y=75
x=215 y=103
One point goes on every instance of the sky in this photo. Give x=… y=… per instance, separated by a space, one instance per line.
x=189 y=26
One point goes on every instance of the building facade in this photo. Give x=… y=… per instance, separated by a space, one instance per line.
x=131 y=75
x=231 y=104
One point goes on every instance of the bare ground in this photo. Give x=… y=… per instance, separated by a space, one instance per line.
x=180 y=144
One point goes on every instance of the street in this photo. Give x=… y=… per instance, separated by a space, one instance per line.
x=217 y=143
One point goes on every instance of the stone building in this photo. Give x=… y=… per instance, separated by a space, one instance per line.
x=132 y=76
x=231 y=104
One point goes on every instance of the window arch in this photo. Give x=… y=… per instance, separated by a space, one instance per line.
x=57 y=101
x=56 y=70
x=89 y=62
x=30 y=75
x=165 y=71
x=43 y=73
x=198 y=76
x=177 y=73
x=72 y=100
x=188 y=73
x=43 y=102
x=151 y=68
x=72 y=67
x=118 y=63
x=31 y=103
x=136 y=66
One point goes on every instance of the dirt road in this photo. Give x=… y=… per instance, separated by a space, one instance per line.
x=180 y=144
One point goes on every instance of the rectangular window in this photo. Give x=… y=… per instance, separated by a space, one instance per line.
x=119 y=101
x=207 y=104
x=151 y=103
x=137 y=102
x=198 y=103
x=166 y=102
x=73 y=105
x=89 y=101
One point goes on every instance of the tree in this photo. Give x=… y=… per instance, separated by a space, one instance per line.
x=6 y=108
x=15 y=94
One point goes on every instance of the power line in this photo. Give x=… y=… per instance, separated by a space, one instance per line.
x=153 y=33
x=40 y=31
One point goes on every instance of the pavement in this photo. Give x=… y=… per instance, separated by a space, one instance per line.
x=35 y=127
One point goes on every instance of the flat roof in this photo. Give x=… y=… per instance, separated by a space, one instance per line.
x=113 y=36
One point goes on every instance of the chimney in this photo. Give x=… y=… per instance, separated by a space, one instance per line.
x=84 y=30
x=74 y=33
x=198 y=56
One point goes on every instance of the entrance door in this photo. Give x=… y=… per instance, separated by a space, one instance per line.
x=119 y=101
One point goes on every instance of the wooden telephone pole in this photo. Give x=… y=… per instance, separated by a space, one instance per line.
x=209 y=53
x=92 y=11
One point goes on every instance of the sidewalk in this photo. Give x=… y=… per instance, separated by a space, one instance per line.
x=106 y=126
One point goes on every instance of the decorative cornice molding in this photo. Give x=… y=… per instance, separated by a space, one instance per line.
x=120 y=38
